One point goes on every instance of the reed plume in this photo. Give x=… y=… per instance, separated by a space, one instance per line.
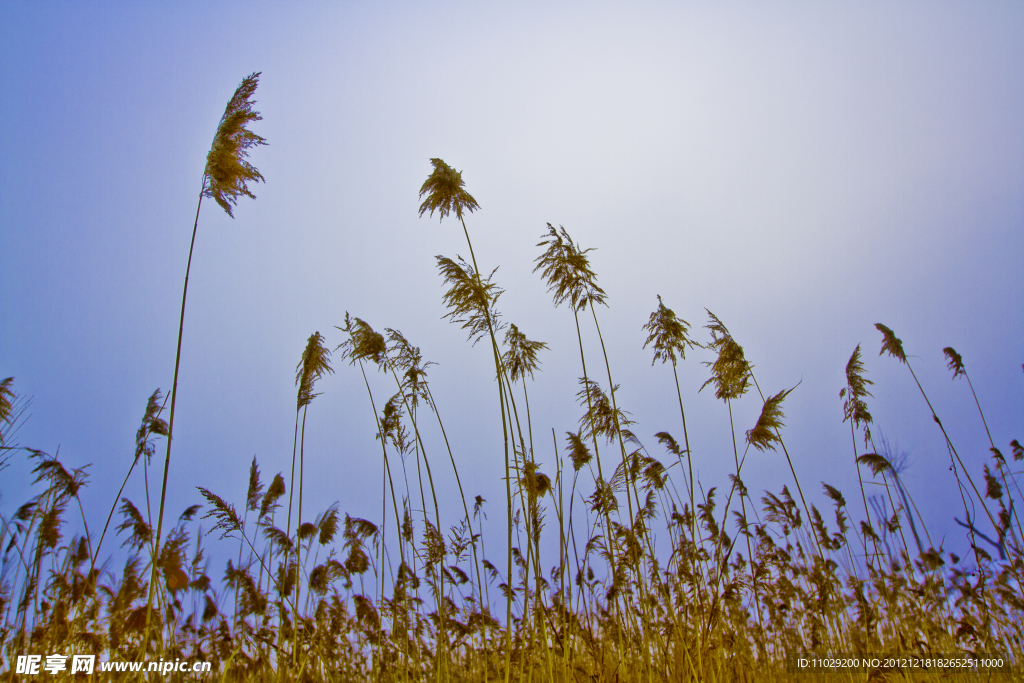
x=520 y=357
x=855 y=408
x=470 y=299
x=228 y=171
x=565 y=267
x=730 y=371
x=669 y=334
x=765 y=433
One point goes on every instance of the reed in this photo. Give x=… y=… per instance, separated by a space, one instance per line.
x=471 y=299
x=226 y=178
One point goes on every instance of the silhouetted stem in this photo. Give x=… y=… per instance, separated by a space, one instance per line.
x=398 y=518
x=504 y=429
x=864 y=499
x=952 y=449
x=170 y=430
x=458 y=481
x=298 y=537
x=1002 y=468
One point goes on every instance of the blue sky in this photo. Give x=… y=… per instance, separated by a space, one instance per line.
x=804 y=170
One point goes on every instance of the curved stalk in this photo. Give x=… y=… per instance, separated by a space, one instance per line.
x=170 y=430
x=504 y=429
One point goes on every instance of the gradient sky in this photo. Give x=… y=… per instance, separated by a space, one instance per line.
x=804 y=170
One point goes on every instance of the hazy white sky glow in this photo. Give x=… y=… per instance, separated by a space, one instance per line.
x=804 y=170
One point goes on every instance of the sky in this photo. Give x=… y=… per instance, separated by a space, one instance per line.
x=804 y=170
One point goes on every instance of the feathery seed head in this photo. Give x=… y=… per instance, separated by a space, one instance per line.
x=139 y=532
x=189 y=513
x=362 y=342
x=470 y=298
x=669 y=442
x=730 y=372
x=274 y=492
x=601 y=419
x=407 y=358
x=305 y=531
x=603 y=499
x=61 y=483
x=765 y=433
x=655 y=476
x=578 y=452
x=567 y=271
x=151 y=424
x=327 y=525
x=521 y=357
x=391 y=426
x=227 y=172
x=993 y=489
x=855 y=407
x=891 y=344
x=315 y=364
x=668 y=333
x=227 y=519
x=535 y=483
x=877 y=463
x=445 y=192
x=956 y=361
x=855 y=379
x=835 y=494
x=6 y=403
x=255 y=491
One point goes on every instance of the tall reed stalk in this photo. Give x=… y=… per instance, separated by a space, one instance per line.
x=565 y=267
x=730 y=375
x=471 y=300
x=314 y=365
x=855 y=411
x=364 y=343
x=670 y=336
x=225 y=179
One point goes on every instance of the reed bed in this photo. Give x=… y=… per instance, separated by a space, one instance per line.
x=645 y=573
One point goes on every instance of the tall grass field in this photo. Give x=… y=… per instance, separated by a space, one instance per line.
x=607 y=558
